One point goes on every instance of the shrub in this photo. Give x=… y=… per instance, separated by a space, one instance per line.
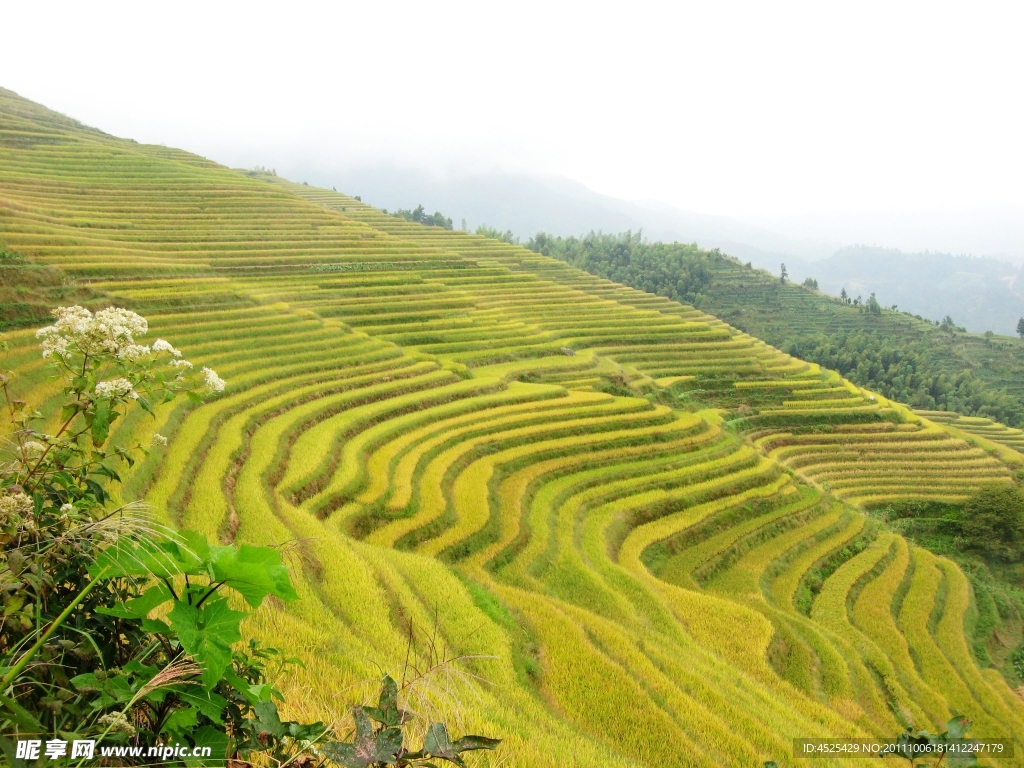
x=993 y=522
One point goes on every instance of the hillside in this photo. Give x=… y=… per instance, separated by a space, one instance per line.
x=981 y=294
x=645 y=526
x=893 y=353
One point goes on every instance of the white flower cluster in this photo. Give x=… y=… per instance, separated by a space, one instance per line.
x=109 y=331
x=212 y=380
x=133 y=352
x=66 y=508
x=119 y=387
x=14 y=505
x=112 y=331
x=165 y=346
x=159 y=439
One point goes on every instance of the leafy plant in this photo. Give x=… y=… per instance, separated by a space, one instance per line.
x=915 y=745
x=384 y=743
x=81 y=649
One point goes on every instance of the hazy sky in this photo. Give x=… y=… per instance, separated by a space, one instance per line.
x=756 y=109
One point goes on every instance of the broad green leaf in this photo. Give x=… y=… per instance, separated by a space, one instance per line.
x=387 y=711
x=105 y=471
x=388 y=693
x=206 y=634
x=367 y=749
x=139 y=607
x=207 y=702
x=112 y=689
x=101 y=418
x=388 y=744
x=181 y=721
x=217 y=740
x=306 y=731
x=156 y=627
x=254 y=572
x=439 y=744
x=469 y=743
x=268 y=720
x=364 y=728
x=957 y=727
x=344 y=754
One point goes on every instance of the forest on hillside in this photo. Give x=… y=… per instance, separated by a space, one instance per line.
x=901 y=356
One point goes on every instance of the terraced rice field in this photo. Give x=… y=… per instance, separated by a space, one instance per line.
x=978 y=426
x=618 y=503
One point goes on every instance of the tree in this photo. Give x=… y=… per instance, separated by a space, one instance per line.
x=993 y=521
x=844 y=296
x=948 y=325
x=419 y=216
x=1020 y=327
x=873 y=307
x=810 y=282
x=783 y=274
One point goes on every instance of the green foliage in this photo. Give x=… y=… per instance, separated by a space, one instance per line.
x=1018 y=661
x=915 y=745
x=81 y=651
x=679 y=272
x=993 y=522
x=810 y=282
x=417 y=215
x=375 y=746
x=950 y=327
x=497 y=234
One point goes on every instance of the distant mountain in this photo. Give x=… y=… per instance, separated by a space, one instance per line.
x=996 y=233
x=980 y=294
x=531 y=204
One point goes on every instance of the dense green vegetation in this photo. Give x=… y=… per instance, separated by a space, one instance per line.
x=636 y=531
x=496 y=234
x=905 y=358
x=419 y=216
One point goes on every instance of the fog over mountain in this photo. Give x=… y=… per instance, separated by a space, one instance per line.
x=980 y=293
x=527 y=204
x=965 y=265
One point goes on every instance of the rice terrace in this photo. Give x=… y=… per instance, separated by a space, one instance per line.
x=632 y=534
